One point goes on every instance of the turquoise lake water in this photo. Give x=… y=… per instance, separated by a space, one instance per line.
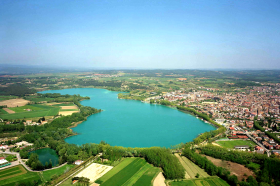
x=47 y=154
x=131 y=123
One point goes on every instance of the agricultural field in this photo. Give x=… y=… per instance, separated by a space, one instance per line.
x=67 y=110
x=210 y=181
x=47 y=175
x=191 y=169
x=16 y=174
x=14 y=102
x=7 y=97
x=38 y=99
x=36 y=110
x=131 y=171
x=94 y=171
x=239 y=170
x=2 y=111
x=230 y=144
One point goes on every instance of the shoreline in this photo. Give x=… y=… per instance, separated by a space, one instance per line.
x=172 y=107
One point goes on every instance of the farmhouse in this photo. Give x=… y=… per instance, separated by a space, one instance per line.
x=23 y=143
x=242 y=147
x=3 y=162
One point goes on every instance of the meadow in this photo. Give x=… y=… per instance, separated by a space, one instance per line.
x=210 y=181
x=47 y=175
x=131 y=171
x=16 y=174
x=230 y=144
x=191 y=169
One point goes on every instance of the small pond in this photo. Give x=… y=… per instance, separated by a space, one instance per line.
x=47 y=154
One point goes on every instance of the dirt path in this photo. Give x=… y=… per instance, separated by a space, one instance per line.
x=9 y=111
x=159 y=180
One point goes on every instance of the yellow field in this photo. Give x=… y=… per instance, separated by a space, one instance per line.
x=94 y=171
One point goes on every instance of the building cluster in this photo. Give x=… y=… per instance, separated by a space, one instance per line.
x=261 y=102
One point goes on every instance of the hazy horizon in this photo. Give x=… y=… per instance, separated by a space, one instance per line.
x=159 y=34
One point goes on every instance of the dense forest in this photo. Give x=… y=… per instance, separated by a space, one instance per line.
x=16 y=90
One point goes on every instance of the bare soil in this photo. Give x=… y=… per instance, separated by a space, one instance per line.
x=235 y=168
x=66 y=113
x=9 y=111
x=14 y=102
x=159 y=180
x=69 y=107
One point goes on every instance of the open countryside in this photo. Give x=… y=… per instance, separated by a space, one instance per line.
x=131 y=171
x=11 y=176
x=140 y=93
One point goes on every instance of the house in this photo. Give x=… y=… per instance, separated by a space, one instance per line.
x=4 y=147
x=3 y=162
x=242 y=147
x=28 y=122
x=259 y=150
x=44 y=122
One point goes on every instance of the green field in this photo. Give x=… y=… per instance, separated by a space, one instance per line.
x=230 y=144
x=65 y=104
x=48 y=174
x=131 y=171
x=2 y=98
x=13 y=175
x=191 y=168
x=210 y=181
x=69 y=109
x=38 y=99
x=37 y=110
x=3 y=112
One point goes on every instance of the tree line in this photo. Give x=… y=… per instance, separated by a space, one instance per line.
x=206 y=135
x=269 y=167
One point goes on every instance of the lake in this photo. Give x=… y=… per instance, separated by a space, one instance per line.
x=131 y=123
x=47 y=154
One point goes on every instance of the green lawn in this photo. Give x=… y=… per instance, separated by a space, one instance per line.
x=230 y=144
x=13 y=175
x=48 y=174
x=210 y=181
x=131 y=171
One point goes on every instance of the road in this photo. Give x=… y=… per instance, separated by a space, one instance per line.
x=259 y=144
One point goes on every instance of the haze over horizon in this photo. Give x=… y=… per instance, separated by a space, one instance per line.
x=141 y=34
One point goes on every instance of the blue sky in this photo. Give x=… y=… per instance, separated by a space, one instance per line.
x=141 y=34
